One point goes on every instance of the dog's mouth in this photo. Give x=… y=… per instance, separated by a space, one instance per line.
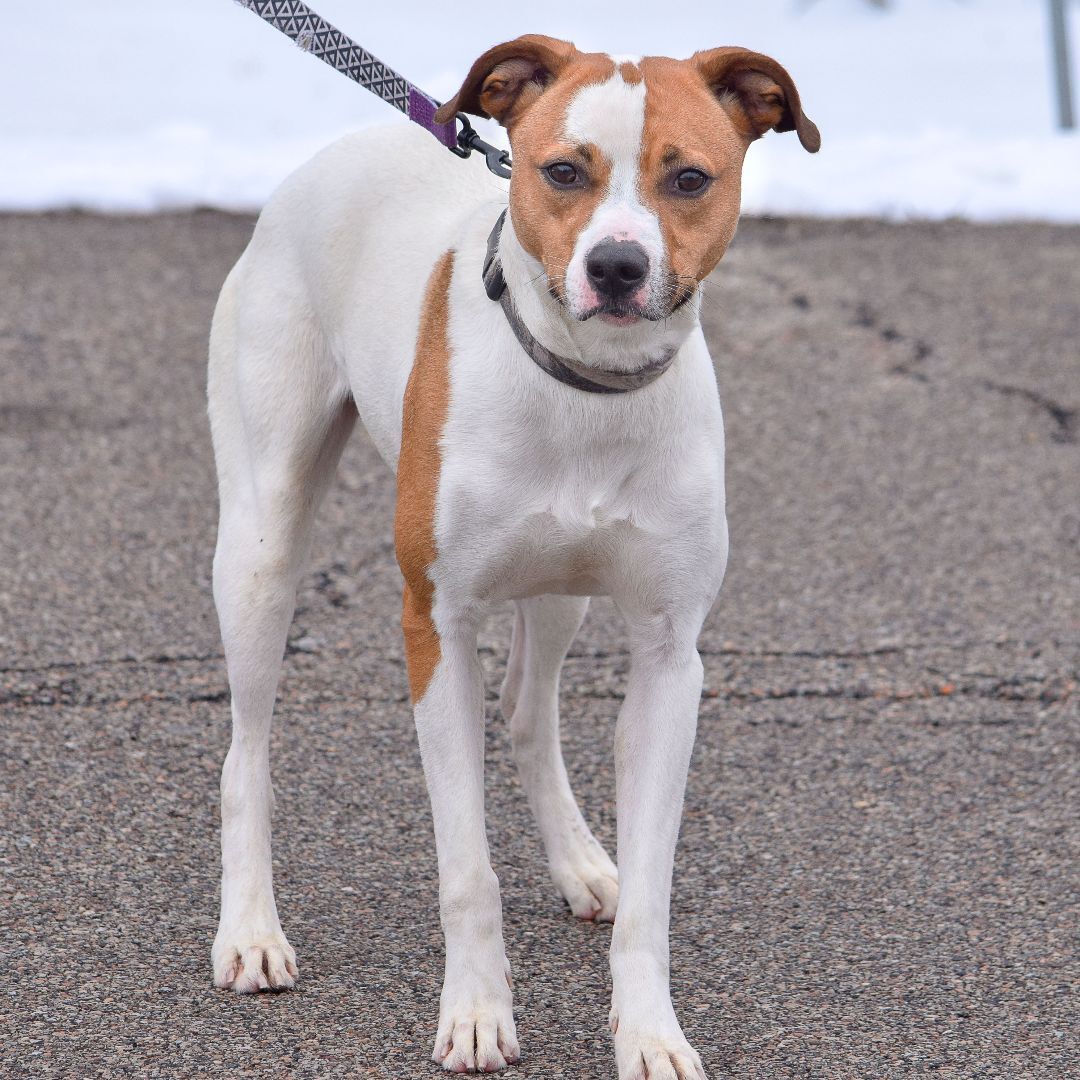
x=618 y=313
x=618 y=320
x=625 y=313
x=615 y=312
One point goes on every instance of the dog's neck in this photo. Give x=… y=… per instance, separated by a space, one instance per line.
x=589 y=343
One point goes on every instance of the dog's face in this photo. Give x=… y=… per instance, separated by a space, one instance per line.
x=627 y=173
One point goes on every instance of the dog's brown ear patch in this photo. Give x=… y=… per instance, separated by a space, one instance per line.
x=507 y=79
x=757 y=92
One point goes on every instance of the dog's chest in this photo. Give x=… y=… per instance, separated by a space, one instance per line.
x=567 y=518
x=515 y=539
x=542 y=489
x=570 y=542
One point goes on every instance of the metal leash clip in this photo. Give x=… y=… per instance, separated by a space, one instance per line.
x=468 y=140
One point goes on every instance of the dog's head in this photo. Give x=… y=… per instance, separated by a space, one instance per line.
x=627 y=172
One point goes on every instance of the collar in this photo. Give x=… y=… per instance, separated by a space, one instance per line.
x=594 y=380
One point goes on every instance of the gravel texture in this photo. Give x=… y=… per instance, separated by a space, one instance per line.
x=877 y=876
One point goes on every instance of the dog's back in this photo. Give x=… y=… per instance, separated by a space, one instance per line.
x=343 y=249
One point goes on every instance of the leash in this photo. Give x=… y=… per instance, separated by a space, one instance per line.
x=315 y=35
x=593 y=380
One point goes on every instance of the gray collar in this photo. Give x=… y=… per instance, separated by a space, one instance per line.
x=572 y=372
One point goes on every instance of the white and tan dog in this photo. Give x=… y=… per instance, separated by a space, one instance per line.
x=563 y=442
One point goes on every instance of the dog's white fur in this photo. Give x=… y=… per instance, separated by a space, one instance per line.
x=547 y=495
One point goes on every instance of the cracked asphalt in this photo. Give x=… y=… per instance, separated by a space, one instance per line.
x=877 y=876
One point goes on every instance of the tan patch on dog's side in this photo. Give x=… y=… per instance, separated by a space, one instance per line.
x=424 y=411
x=686 y=127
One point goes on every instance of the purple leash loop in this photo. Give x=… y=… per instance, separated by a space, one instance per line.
x=315 y=35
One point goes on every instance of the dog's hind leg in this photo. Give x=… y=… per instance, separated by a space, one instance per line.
x=543 y=630
x=280 y=414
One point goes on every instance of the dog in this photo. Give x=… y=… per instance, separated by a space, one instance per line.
x=530 y=361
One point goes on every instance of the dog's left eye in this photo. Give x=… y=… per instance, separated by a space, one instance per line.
x=691 y=181
x=562 y=173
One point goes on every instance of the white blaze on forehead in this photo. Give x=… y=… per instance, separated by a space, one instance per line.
x=610 y=117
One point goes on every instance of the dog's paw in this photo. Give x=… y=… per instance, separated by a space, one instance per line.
x=247 y=963
x=588 y=879
x=648 y=1056
x=476 y=1033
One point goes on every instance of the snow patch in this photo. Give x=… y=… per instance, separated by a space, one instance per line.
x=933 y=108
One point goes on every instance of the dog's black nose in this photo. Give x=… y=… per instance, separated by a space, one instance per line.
x=615 y=268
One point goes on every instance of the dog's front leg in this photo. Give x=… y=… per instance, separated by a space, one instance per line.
x=653 y=741
x=476 y=1020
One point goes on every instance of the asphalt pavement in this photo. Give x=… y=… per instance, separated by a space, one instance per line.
x=877 y=876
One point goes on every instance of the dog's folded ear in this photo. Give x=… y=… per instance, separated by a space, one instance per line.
x=757 y=92
x=508 y=78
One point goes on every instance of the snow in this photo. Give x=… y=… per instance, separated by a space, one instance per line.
x=933 y=108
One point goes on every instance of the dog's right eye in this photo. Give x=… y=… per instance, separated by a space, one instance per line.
x=562 y=174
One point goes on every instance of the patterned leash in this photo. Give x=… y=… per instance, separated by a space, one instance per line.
x=315 y=35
